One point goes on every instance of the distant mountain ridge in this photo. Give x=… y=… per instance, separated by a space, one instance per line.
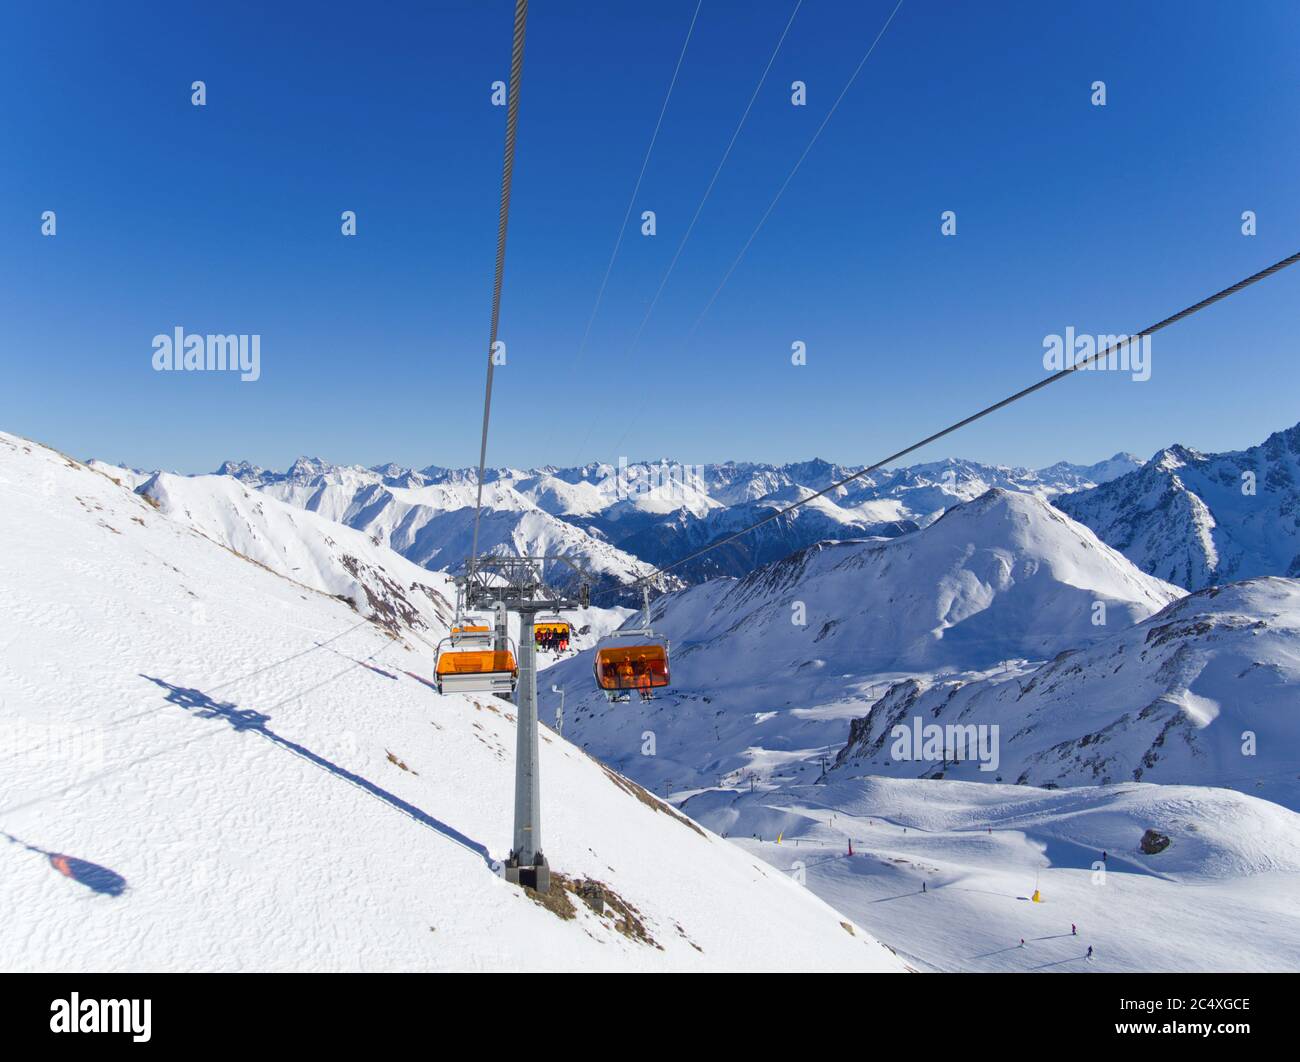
x=1190 y=518
x=618 y=520
x=1199 y=519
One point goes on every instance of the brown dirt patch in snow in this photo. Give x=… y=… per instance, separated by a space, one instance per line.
x=614 y=912
x=398 y=762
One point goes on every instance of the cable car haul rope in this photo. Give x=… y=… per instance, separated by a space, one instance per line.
x=503 y=222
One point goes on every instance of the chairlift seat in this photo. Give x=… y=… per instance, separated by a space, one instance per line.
x=632 y=660
x=461 y=670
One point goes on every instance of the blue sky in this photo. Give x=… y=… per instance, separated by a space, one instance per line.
x=225 y=218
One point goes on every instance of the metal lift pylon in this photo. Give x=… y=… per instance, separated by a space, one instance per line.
x=515 y=584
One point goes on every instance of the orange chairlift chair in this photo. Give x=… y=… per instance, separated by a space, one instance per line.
x=475 y=670
x=472 y=636
x=551 y=632
x=470 y=659
x=630 y=660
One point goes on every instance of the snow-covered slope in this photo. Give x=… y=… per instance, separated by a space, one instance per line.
x=1221 y=896
x=1197 y=519
x=768 y=670
x=131 y=477
x=208 y=765
x=1171 y=700
x=308 y=548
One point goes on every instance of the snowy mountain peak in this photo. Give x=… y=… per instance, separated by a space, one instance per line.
x=241 y=470
x=1197 y=519
x=306 y=467
x=1004 y=577
x=1175 y=457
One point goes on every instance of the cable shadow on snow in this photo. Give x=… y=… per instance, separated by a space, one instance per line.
x=91 y=875
x=199 y=704
x=419 y=678
x=361 y=663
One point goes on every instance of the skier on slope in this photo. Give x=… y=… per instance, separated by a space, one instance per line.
x=1074 y=930
x=1089 y=956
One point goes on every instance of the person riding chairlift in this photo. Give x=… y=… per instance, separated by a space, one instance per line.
x=625 y=679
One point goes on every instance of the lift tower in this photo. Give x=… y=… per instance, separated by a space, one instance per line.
x=516 y=584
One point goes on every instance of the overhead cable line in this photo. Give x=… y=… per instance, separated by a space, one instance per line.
x=630 y=423
x=636 y=190
x=507 y=173
x=790 y=177
x=714 y=180
x=1106 y=353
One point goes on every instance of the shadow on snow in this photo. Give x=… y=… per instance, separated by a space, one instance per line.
x=200 y=704
x=91 y=875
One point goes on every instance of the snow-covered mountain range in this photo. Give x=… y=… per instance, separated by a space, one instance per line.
x=952 y=594
x=618 y=520
x=1189 y=518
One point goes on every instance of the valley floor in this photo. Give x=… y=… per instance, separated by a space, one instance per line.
x=1220 y=898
